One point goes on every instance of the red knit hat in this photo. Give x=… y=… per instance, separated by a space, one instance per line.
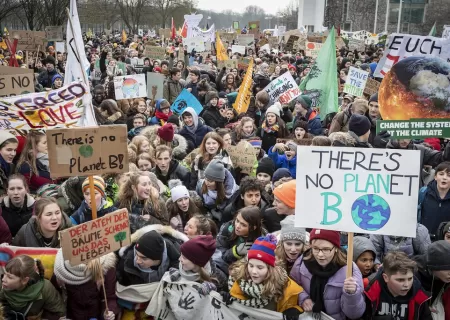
x=199 y=250
x=329 y=235
x=263 y=249
x=166 y=132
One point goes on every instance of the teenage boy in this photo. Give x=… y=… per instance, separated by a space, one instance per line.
x=395 y=293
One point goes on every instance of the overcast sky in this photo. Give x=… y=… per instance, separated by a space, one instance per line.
x=239 y=5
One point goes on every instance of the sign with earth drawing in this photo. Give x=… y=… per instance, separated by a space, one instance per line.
x=358 y=190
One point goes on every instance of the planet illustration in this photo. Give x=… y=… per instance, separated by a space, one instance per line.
x=370 y=212
x=130 y=88
x=414 y=88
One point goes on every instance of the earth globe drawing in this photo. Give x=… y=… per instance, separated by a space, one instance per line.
x=370 y=212
x=414 y=88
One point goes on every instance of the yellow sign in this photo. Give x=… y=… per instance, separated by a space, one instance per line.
x=245 y=91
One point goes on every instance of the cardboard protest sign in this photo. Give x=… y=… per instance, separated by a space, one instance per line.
x=87 y=151
x=401 y=46
x=54 y=33
x=129 y=87
x=60 y=46
x=415 y=128
x=253 y=27
x=238 y=49
x=340 y=42
x=262 y=42
x=59 y=108
x=229 y=64
x=243 y=63
x=186 y=99
x=372 y=86
x=243 y=155
x=273 y=42
x=227 y=37
x=154 y=52
x=316 y=39
x=195 y=43
x=312 y=49
x=96 y=238
x=354 y=44
x=358 y=190
x=29 y=40
x=290 y=42
x=356 y=81
x=283 y=89
x=446 y=32
x=15 y=81
x=155 y=79
x=166 y=33
x=246 y=39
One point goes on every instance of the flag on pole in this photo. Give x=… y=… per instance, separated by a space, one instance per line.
x=433 y=30
x=173 y=30
x=124 y=36
x=183 y=32
x=321 y=82
x=221 y=50
x=245 y=91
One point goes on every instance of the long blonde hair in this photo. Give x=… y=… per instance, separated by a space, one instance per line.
x=280 y=254
x=30 y=152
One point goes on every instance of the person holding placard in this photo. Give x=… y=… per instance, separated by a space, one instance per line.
x=321 y=271
x=8 y=149
x=273 y=127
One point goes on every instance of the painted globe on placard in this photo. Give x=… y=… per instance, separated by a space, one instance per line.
x=414 y=88
x=370 y=212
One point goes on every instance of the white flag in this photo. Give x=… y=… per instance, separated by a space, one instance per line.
x=192 y=21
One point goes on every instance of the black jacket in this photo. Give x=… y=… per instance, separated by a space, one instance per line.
x=237 y=203
x=16 y=217
x=272 y=220
x=176 y=171
x=213 y=118
x=434 y=210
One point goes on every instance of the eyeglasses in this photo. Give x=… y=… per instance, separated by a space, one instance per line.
x=325 y=251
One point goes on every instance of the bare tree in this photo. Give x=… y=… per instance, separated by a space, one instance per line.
x=289 y=16
x=131 y=12
x=8 y=7
x=32 y=9
x=54 y=12
x=108 y=8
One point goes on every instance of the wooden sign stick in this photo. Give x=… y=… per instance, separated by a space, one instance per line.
x=104 y=290
x=92 y=191
x=349 y=254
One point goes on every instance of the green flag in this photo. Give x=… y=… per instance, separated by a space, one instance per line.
x=433 y=30
x=321 y=82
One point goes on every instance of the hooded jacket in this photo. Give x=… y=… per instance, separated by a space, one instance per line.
x=194 y=136
x=176 y=171
x=361 y=245
x=155 y=119
x=314 y=123
x=171 y=90
x=14 y=217
x=30 y=237
x=281 y=161
x=434 y=210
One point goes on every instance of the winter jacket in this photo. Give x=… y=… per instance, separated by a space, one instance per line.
x=360 y=245
x=179 y=221
x=338 y=303
x=16 y=217
x=84 y=213
x=434 y=210
x=377 y=292
x=269 y=138
x=155 y=120
x=30 y=237
x=194 y=90
x=176 y=171
x=198 y=167
x=45 y=78
x=281 y=161
x=195 y=137
x=179 y=144
x=237 y=203
x=86 y=300
x=358 y=142
x=5 y=234
x=340 y=122
x=136 y=213
x=35 y=181
x=314 y=124
x=213 y=118
x=272 y=220
x=410 y=246
x=171 y=90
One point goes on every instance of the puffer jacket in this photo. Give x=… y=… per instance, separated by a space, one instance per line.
x=338 y=303
x=410 y=246
x=30 y=237
x=84 y=213
x=213 y=118
x=281 y=161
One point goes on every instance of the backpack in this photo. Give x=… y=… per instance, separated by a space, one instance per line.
x=422 y=194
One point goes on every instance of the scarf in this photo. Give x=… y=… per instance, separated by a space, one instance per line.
x=73 y=275
x=154 y=275
x=248 y=136
x=191 y=275
x=18 y=300
x=162 y=116
x=43 y=159
x=253 y=291
x=192 y=129
x=320 y=276
x=269 y=129
x=86 y=211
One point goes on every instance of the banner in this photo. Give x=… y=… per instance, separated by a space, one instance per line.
x=221 y=50
x=401 y=46
x=87 y=151
x=130 y=87
x=96 y=238
x=186 y=99
x=192 y=21
x=245 y=91
x=358 y=45
x=415 y=128
x=157 y=80
x=356 y=82
x=226 y=36
x=59 y=108
x=155 y=52
x=358 y=190
x=312 y=49
x=321 y=82
x=194 y=43
x=283 y=89
x=208 y=35
x=15 y=81
x=54 y=33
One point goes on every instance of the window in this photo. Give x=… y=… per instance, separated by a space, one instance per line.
x=345 y=9
x=347 y=26
x=413 y=11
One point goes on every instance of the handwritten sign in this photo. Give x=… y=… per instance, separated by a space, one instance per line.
x=154 y=52
x=354 y=44
x=356 y=81
x=54 y=33
x=358 y=190
x=130 y=87
x=283 y=89
x=15 y=81
x=290 y=43
x=229 y=64
x=29 y=40
x=273 y=42
x=155 y=79
x=372 y=86
x=227 y=37
x=238 y=49
x=243 y=63
x=87 y=151
x=195 y=43
x=312 y=49
x=243 y=156
x=246 y=39
x=96 y=238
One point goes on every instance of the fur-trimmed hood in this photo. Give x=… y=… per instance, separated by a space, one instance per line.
x=29 y=201
x=179 y=143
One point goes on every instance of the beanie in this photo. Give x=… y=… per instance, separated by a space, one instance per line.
x=166 y=132
x=174 y=119
x=215 y=171
x=99 y=185
x=256 y=143
x=360 y=106
x=300 y=124
x=5 y=135
x=263 y=249
x=50 y=60
x=266 y=165
x=329 y=235
x=275 y=109
x=199 y=250
x=281 y=173
x=286 y=193
x=211 y=95
x=151 y=245
x=48 y=190
x=349 y=97
x=438 y=257
x=305 y=101
x=446 y=228
x=374 y=98
x=359 y=124
x=290 y=232
x=56 y=76
x=177 y=190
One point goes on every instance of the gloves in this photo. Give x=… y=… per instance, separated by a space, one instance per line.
x=291 y=314
x=243 y=248
x=226 y=297
x=109 y=316
x=206 y=288
x=174 y=274
x=381 y=140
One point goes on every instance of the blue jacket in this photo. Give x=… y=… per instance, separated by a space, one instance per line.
x=84 y=213
x=314 y=123
x=281 y=161
x=155 y=120
x=194 y=138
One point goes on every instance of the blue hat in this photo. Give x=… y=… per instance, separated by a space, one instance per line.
x=281 y=173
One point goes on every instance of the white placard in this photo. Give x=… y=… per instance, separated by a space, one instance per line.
x=238 y=49
x=446 y=32
x=356 y=81
x=358 y=190
x=60 y=47
x=129 y=87
x=283 y=89
x=196 y=43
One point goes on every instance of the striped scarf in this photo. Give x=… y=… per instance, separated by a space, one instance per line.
x=253 y=291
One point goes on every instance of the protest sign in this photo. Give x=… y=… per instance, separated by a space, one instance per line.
x=401 y=46
x=155 y=79
x=315 y=39
x=372 y=86
x=312 y=49
x=358 y=190
x=356 y=81
x=290 y=43
x=54 y=33
x=227 y=36
x=15 y=81
x=446 y=32
x=207 y=35
x=165 y=32
x=245 y=91
x=63 y=107
x=87 y=151
x=283 y=89
x=29 y=40
x=415 y=128
x=273 y=42
x=120 y=65
x=186 y=99
x=130 y=87
x=154 y=52
x=262 y=42
x=246 y=39
x=354 y=44
x=253 y=27
x=238 y=49
x=229 y=64
x=96 y=238
x=243 y=63
x=340 y=42
x=195 y=43
x=281 y=30
x=60 y=46
x=243 y=155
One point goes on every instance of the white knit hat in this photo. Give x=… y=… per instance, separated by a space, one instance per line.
x=177 y=190
x=5 y=135
x=275 y=108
